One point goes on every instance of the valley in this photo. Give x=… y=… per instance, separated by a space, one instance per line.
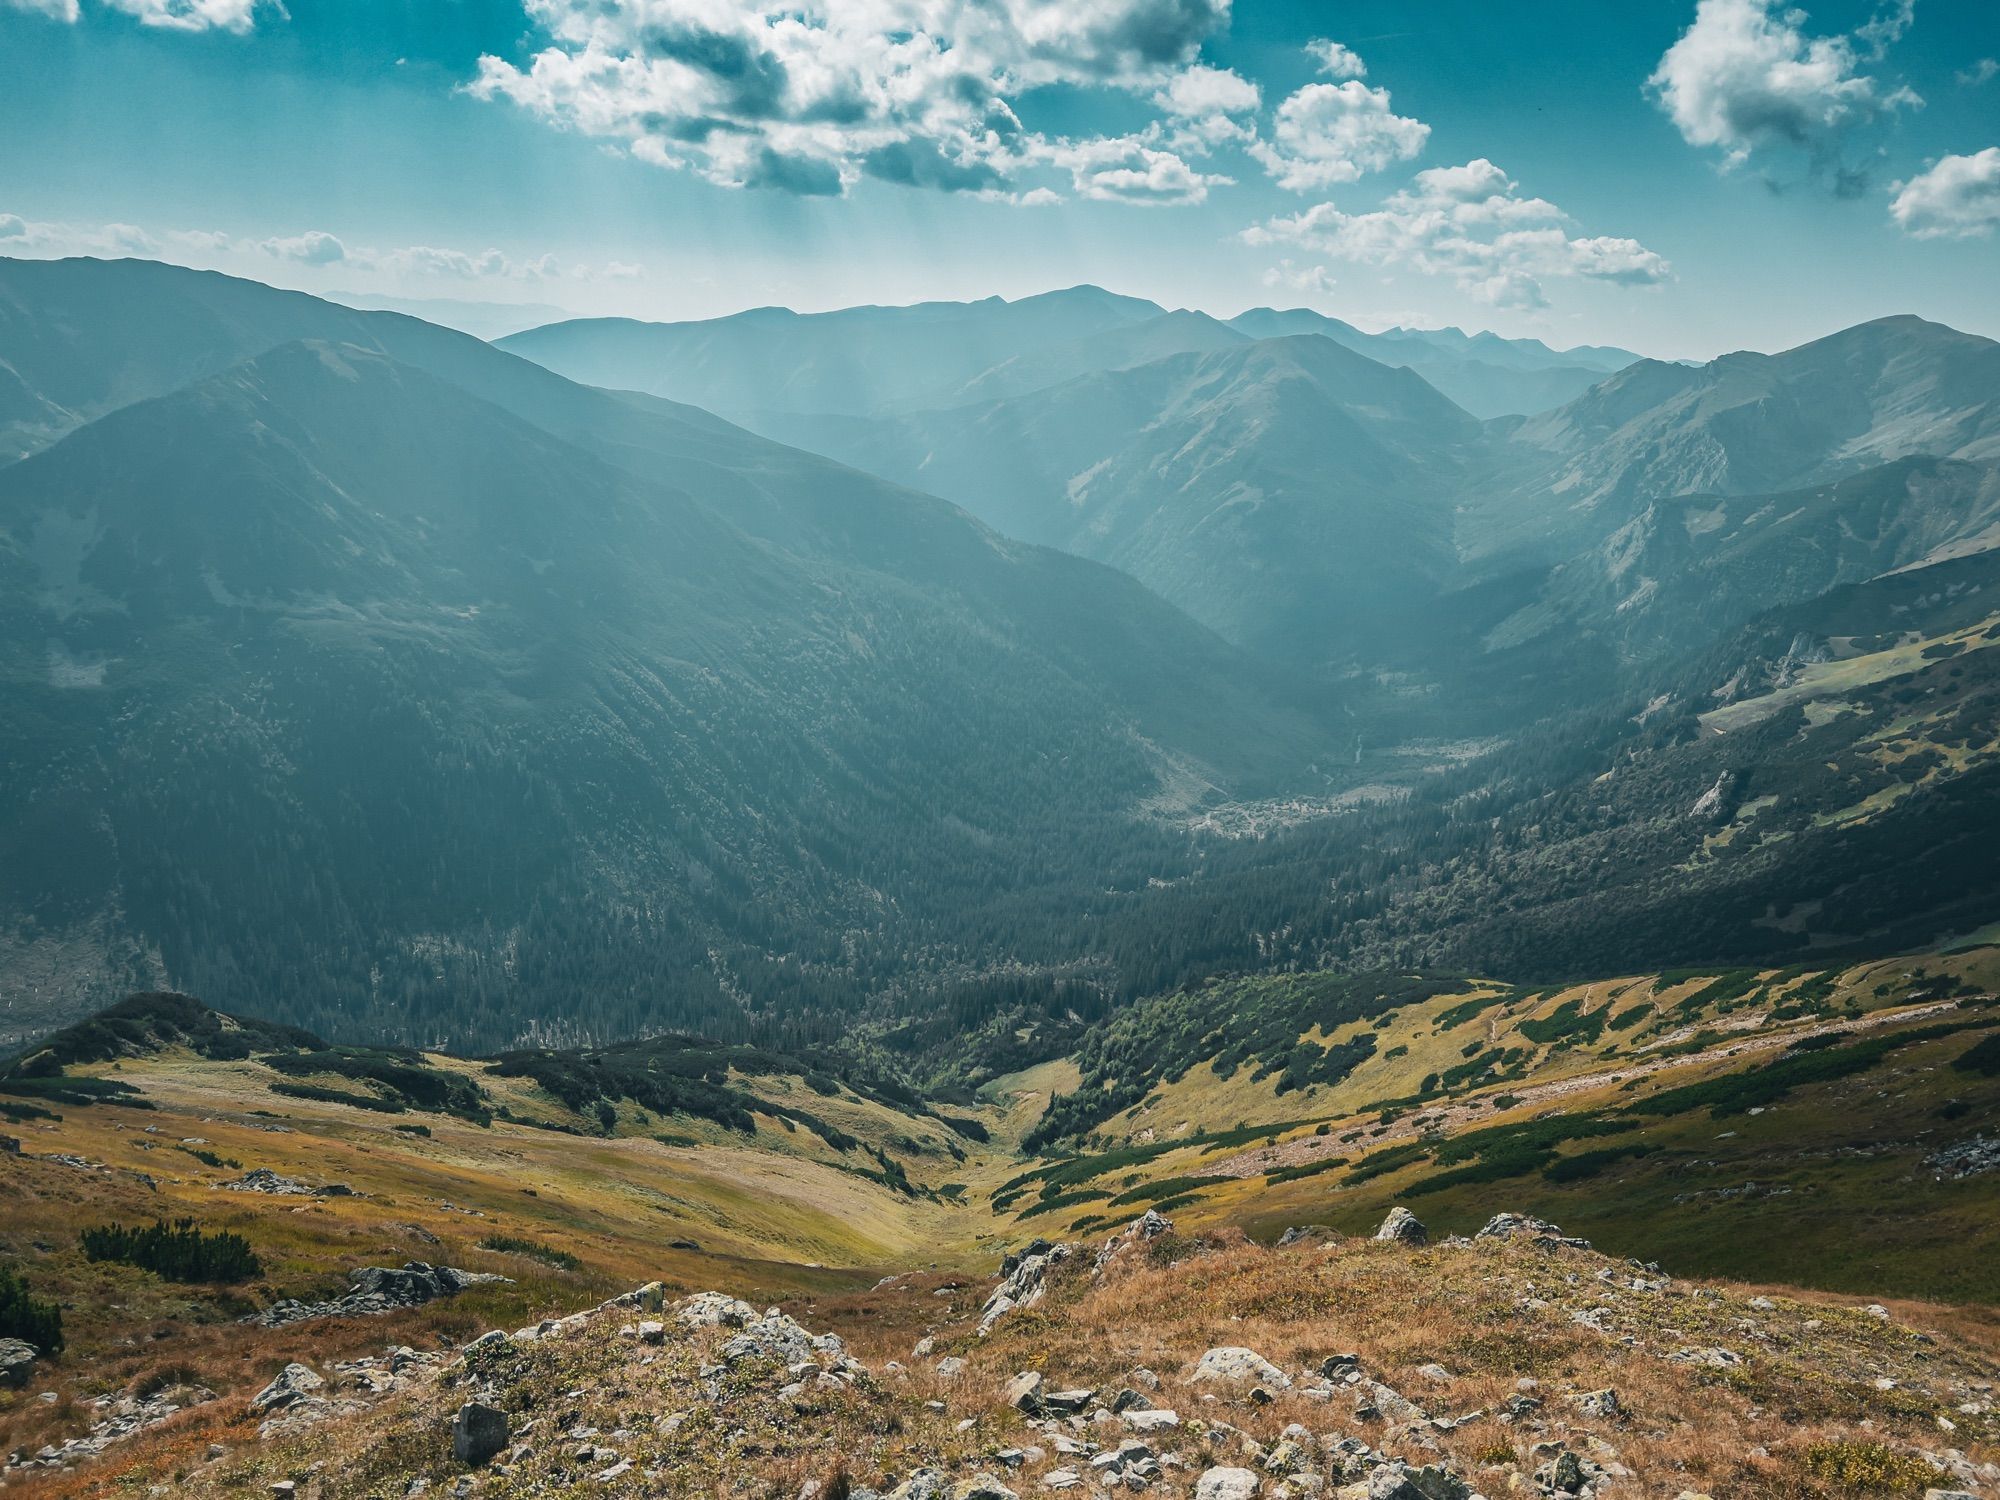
x=1145 y=797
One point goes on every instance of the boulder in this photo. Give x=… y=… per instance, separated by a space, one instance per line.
x=1602 y=1404
x=293 y=1384
x=713 y=1310
x=17 y=1362
x=1226 y=1484
x=1403 y=1228
x=1233 y=1363
x=1024 y=1392
x=1399 y=1481
x=478 y=1433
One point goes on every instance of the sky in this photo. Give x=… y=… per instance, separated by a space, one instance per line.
x=1679 y=177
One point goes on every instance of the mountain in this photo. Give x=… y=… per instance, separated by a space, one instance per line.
x=854 y=361
x=1293 y=495
x=333 y=683
x=772 y=363
x=1487 y=375
x=485 y=320
x=1688 y=568
x=1748 y=424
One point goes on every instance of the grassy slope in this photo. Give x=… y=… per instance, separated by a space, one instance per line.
x=1840 y=1199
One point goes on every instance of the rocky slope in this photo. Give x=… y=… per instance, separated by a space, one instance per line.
x=1517 y=1362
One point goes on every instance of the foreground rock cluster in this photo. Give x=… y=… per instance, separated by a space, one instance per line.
x=1070 y=1374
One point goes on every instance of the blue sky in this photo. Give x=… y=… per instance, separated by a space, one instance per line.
x=1676 y=179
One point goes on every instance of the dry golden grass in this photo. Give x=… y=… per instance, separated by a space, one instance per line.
x=1805 y=1417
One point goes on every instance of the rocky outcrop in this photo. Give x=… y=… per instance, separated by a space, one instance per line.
x=374 y=1290
x=115 y=1418
x=1972 y=1158
x=264 y=1180
x=1023 y=1279
x=1526 y=1227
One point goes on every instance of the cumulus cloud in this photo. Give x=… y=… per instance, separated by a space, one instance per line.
x=1470 y=223
x=1129 y=169
x=1335 y=60
x=1747 y=77
x=1207 y=106
x=812 y=97
x=1979 y=73
x=1957 y=198
x=1329 y=133
x=314 y=248
x=60 y=10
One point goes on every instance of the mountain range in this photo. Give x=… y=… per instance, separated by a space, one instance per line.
x=1035 y=657
x=870 y=361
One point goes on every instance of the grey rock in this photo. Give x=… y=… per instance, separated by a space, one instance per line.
x=1234 y=1363
x=1404 y=1228
x=478 y=1433
x=1226 y=1484
x=293 y=1384
x=373 y=1290
x=17 y=1362
x=1524 y=1226
x=1603 y=1404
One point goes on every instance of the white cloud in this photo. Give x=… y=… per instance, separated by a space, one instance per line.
x=1746 y=77
x=1979 y=73
x=1335 y=60
x=1288 y=275
x=60 y=10
x=239 y=16
x=1206 y=105
x=1330 y=133
x=1129 y=169
x=1468 y=222
x=314 y=248
x=811 y=97
x=1957 y=198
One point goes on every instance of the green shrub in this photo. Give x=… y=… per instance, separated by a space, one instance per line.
x=1870 y=1466
x=24 y=1317
x=177 y=1251
x=1982 y=1058
x=509 y=1244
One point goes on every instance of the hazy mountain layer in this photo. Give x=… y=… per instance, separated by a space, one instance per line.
x=1292 y=494
x=334 y=684
x=869 y=361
